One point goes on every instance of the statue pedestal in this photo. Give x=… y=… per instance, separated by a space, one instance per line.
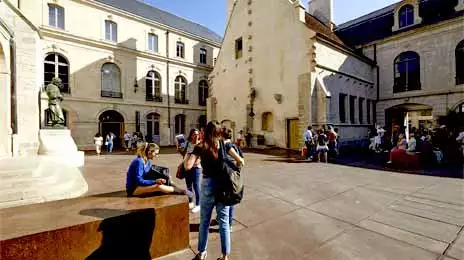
x=58 y=144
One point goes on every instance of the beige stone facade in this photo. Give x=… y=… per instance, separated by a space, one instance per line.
x=295 y=70
x=20 y=74
x=83 y=44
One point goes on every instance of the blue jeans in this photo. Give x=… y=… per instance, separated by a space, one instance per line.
x=231 y=215
x=207 y=204
x=192 y=180
x=110 y=147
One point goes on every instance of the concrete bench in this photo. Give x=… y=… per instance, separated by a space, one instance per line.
x=107 y=226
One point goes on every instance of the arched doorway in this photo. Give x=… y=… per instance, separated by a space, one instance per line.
x=407 y=117
x=112 y=121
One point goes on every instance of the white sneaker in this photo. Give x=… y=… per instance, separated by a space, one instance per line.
x=196 y=209
x=191 y=205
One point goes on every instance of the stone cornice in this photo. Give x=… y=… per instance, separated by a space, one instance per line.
x=137 y=18
x=63 y=35
x=422 y=93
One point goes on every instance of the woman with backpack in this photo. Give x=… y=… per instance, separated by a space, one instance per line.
x=210 y=151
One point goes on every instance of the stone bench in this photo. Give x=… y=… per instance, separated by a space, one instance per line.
x=107 y=226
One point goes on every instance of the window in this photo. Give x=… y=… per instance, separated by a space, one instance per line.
x=203 y=56
x=460 y=108
x=153 y=86
x=202 y=92
x=179 y=85
x=368 y=114
x=56 y=65
x=238 y=48
x=341 y=107
x=407 y=72
x=352 y=101
x=179 y=124
x=361 y=110
x=111 y=31
x=180 y=50
x=460 y=63
x=202 y=122
x=110 y=81
x=406 y=16
x=266 y=121
x=153 y=42
x=153 y=125
x=56 y=16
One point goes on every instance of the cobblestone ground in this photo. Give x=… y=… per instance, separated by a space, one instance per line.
x=323 y=211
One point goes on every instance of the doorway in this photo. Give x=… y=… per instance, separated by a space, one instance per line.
x=112 y=121
x=293 y=140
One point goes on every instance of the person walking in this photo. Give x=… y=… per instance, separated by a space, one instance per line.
x=192 y=175
x=98 y=141
x=308 y=139
x=127 y=138
x=208 y=150
x=109 y=142
x=322 y=147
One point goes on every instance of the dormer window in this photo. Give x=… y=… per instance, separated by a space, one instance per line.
x=406 y=16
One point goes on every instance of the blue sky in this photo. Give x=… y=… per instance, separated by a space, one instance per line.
x=212 y=13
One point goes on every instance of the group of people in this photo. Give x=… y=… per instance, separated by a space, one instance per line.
x=322 y=143
x=108 y=142
x=202 y=161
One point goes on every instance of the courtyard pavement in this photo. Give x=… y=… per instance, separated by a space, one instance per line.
x=322 y=211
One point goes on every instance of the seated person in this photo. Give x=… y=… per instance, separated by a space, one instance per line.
x=412 y=144
x=136 y=182
x=400 y=148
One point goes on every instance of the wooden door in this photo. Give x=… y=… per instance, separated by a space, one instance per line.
x=293 y=136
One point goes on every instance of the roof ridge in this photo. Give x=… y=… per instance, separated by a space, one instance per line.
x=361 y=18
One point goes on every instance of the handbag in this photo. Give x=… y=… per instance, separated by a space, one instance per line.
x=180 y=174
x=230 y=186
x=159 y=172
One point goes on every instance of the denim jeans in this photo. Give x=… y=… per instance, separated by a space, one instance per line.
x=110 y=147
x=207 y=203
x=192 y=180
x=231 y=215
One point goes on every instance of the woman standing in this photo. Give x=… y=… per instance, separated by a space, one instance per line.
x=98 y=140
x=109 y=142
x=192 y=175
x=211 y=162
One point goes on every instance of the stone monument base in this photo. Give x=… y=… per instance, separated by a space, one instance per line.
x=57 y=144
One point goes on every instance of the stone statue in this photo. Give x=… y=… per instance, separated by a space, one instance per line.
x=55 y=115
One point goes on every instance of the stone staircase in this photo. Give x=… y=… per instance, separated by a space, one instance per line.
x=38 y=179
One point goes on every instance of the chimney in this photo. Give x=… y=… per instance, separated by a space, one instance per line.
x=322 y=10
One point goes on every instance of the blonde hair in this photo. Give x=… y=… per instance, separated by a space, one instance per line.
x=144 y=148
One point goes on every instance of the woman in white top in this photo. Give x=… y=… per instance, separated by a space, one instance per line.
x=98 y=140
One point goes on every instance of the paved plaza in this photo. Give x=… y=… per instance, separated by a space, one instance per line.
x=323 y=211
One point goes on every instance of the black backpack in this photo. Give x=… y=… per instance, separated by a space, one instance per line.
x=230 y=186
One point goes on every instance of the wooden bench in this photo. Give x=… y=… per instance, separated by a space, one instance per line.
x=107 y=226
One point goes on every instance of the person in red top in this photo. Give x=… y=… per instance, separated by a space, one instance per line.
x=332 y=137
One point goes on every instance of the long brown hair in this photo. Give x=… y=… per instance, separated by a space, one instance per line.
x=212 y=137
x=144 y=148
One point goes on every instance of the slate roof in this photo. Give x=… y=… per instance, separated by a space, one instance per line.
x=163 y=17
x=378 y=25
x=314 y=24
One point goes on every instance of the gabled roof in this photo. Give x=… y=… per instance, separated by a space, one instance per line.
x=378 y=25
x=157 y=15
x=314 y=24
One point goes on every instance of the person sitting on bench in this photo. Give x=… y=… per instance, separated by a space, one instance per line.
x=136 y=182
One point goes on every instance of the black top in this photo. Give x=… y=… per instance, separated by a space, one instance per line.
x=211 y=166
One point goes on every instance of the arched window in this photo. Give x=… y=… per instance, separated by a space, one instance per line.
x=407 y=72
x=202 y=92
x=111 y=81
x=56 y=65
x=179 y=124
x=153 y=86
x=460 y=63
x=179 y=85
x=406 y=16
x=153 y=126
x=266 y=121
x=56 y=16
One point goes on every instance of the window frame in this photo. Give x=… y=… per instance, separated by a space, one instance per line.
x=111 y=31
x=56 y=64
x=267 y=120
x=459 y=62
x=180 y=49
x=203 y=92
x=352 y=101
x=153 y=44
x=154 y=78
x=107 y=92
x=368 y=111
x=342 y=107
x=406 y=16
x=153 y=120
x=361 y=110
x=180 y=122
x=203 y=56
x=239 y=48
x=57 y=10
x=180 y=90
x=408 y=85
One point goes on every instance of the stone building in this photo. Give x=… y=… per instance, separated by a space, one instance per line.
x=283 y=67
x=419 y=49
x=125 y=66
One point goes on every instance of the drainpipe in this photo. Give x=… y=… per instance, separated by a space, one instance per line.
x=13 y=111
x=167 y=84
